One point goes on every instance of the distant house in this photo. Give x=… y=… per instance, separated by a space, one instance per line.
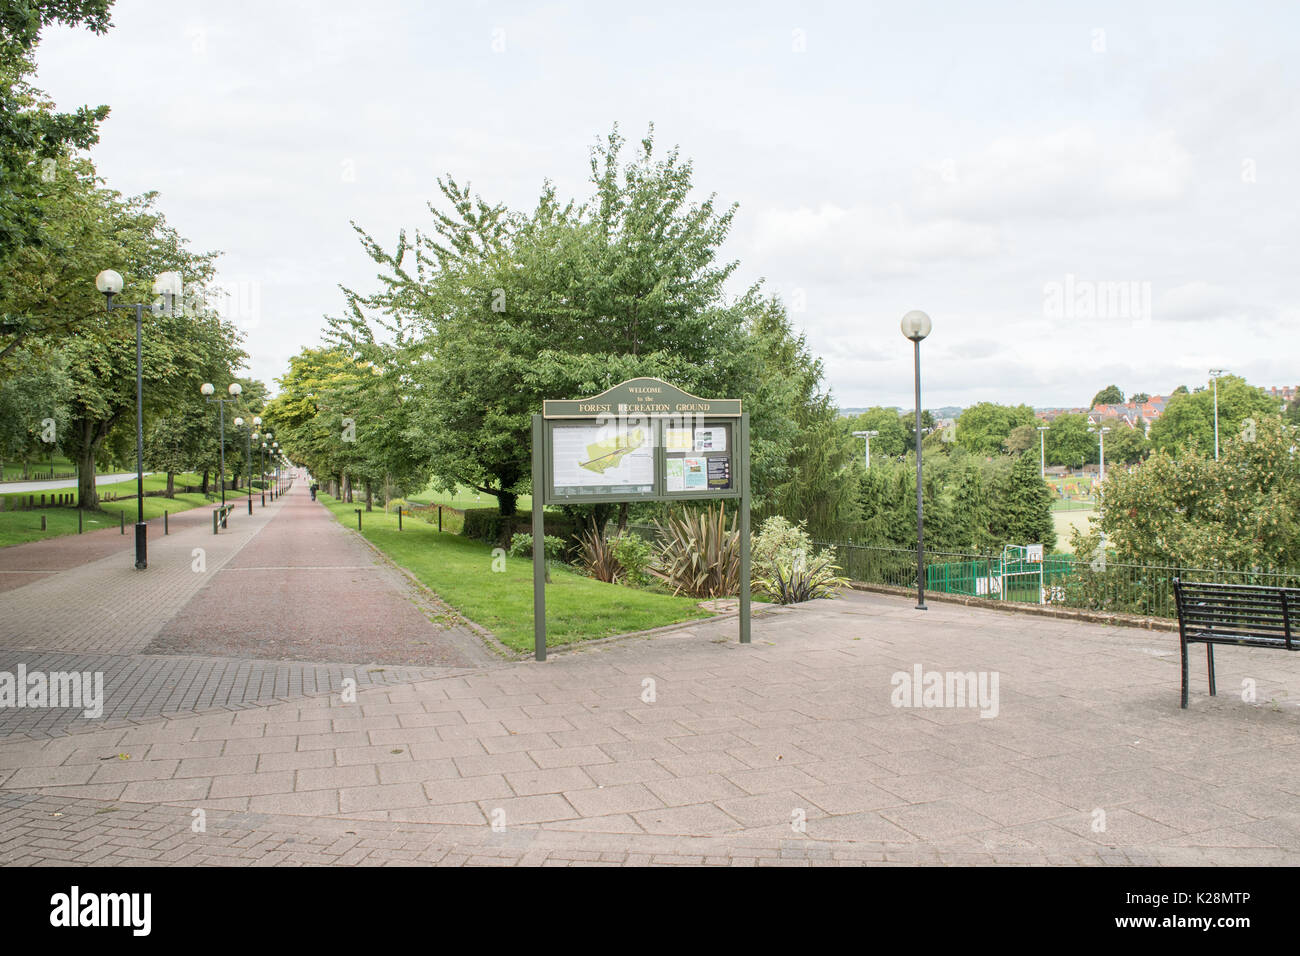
x=1050 y=415
x=1286 y=394
x=1133 y=414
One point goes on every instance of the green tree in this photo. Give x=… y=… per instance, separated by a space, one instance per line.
x=100 y=350
x=1292 y=415
x=31 y=130
x=908 y=421
x=1239 y=512
x=1126 y=445
x=508 y=309
x=1022 y=508
x=1021 y=439
x=1068 y=442
x=893 y=438
x=1140 y=397
x=1188 y=419
x=1110 y=395
x=33 y=407
x=984 y=427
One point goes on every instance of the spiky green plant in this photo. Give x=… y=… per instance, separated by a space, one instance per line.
x=597 y=559
x=802 y=579
x=699 y=553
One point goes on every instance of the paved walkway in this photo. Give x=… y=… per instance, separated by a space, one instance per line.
x=215 y=619
x=686 y=747
x=22 y=564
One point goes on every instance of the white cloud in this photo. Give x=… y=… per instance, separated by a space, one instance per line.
x=1075 y=172
x=861 y=242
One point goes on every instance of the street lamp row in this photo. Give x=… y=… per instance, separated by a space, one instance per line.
x=167 y=286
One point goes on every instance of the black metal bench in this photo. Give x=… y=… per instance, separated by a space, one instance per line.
x=1245 y=614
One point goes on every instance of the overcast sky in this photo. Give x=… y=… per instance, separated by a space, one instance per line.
x=993 y=164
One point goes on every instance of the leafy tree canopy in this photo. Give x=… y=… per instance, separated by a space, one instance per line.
x=1110 y=395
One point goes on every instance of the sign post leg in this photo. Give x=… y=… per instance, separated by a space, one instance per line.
x=539 y=544
x=742 y=461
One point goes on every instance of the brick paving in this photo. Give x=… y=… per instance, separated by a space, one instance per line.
x=73 y=550
x=138 y=686
x=786 y=752
x=264 y=611
x=310 y=590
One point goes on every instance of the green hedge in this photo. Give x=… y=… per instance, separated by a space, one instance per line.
x=490 y=526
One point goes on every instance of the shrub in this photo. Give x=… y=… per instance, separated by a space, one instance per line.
x=490 y=526
x=786 y=567
x=395 y=504
x=699 y=554
x=779 y=540
x=634 y=556
x=521 y=546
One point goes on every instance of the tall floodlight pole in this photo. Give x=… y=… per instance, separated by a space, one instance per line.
x=1101 y=438
x=1042 y=450
x=234 y=389
x=868 y=436
x=167 y=286
x=1215 y=373
x=916 y=325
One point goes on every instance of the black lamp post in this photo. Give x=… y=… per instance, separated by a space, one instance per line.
x=168 y=287
x=270 y=453
x=208 y=390
x=916 y=326
x=261 y=471
x=249 y=435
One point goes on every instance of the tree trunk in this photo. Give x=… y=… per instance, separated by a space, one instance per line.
x=87 y=494
x=370 y=497
x=507 y=503
x=622 y=517
x=347 y=489
x=204 y=487
x=171 y=484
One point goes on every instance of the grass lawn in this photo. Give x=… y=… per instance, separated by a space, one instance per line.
x=463 y=498
x=459 y=571
x=1064 y=520
x=17 y=527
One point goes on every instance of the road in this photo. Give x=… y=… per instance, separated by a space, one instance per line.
x=28 y=487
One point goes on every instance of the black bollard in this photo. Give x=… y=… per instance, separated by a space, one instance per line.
x=122 y=516
x=164 y=522
x=358 y=510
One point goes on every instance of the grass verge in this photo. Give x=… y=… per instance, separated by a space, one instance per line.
x=460 y=572
x=19 y=527
x=463 y=498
